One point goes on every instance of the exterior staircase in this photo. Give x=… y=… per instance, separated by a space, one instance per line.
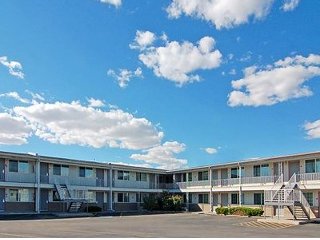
x=66 y=195
x=290 y=195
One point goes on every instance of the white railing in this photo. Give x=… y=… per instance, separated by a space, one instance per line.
x=134 y=184
x=280 y=196
x=292 y=182
x=184 y=185
x=305 y=177
x=21 y=177
x=243 y=180
x=78 y=181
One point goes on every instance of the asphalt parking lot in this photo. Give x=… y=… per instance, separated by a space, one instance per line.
x=166 y=225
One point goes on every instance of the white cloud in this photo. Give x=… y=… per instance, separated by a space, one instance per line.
x=312 y=129
x=289 y=5
x=211 y=150
x=143 y=39
x=36 y=97
x=15 y=68
x=95 y=103
x=177 y=61
x=116 y=3
x=124 y=76
x=15 y=96
x=13 y=130
x=221 y=13
x=275 y=83
x=163 y=155
x=72 y=123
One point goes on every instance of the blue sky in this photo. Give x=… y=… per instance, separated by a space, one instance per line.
x=166 y=84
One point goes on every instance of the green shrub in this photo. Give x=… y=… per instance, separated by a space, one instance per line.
x=150 y=203
x=242 y=211
x=164 y=201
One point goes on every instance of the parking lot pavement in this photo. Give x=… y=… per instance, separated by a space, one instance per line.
x=166 y=225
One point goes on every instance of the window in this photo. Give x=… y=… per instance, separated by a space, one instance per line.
x=183 y=177
x=60 y=170
x=203 y=176
x=141 y=177
x=123 y=175
x=23 y=167
x=138 y=198
x=19 y=195
x=235 y=172
x=85 y=172
x=13 y=195
x=91 y=196
x=203 y=198
x=261 y=170
x=258 y=198
x=123 y=197
x=190 y=177
x=13 y=166
x=309 y=197
x=234 y=198
x=312 y=166
x=18 y=166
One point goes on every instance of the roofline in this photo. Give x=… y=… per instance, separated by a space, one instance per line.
x=108 y=165
x=251 y=160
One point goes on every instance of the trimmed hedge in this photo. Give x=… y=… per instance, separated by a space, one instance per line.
x=242 y=211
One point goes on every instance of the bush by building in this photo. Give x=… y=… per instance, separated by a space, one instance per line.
x=241 y=211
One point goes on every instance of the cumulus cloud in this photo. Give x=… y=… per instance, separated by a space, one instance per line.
x=211 y=150
x=176 y=61
x=116 y=3
x=221 y=13
x=14 y=67
x=143 y=39
x=95 y=103
x=275 y=83
x=163 y=155
x=289 y=5
x=312 y=129
x=13 y=130
x=124 y=76
x=73 y=123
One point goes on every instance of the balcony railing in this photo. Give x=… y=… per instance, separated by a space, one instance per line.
x=307 y=177
x=21 y=177
x=184 y=185
x=78 y=181
x=134 y=184
x=244 y=180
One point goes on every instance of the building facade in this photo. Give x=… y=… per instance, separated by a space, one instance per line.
x=284 y=185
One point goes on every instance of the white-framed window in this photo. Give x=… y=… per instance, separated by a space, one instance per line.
x=85 y=172
x=235 y=173
x=19 y=195
x=203 y=198
x=91 y=196
x=234 y=198
x=123 y=197
x=312 y=166
x=123 y=175
x=141 y=177
x=258 y=198
x=60 y=170
x=19 y=166
x=261 y=170
x=202 y=176
x=309 y=197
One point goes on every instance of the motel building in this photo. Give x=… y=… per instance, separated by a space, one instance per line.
x=283 y=186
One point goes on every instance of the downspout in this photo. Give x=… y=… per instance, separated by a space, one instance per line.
x=38 y=184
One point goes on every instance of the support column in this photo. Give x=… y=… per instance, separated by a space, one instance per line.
x=38 y=184
x=240 y=185
x=110 y=201
x=187 y=200
x=210 y=195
